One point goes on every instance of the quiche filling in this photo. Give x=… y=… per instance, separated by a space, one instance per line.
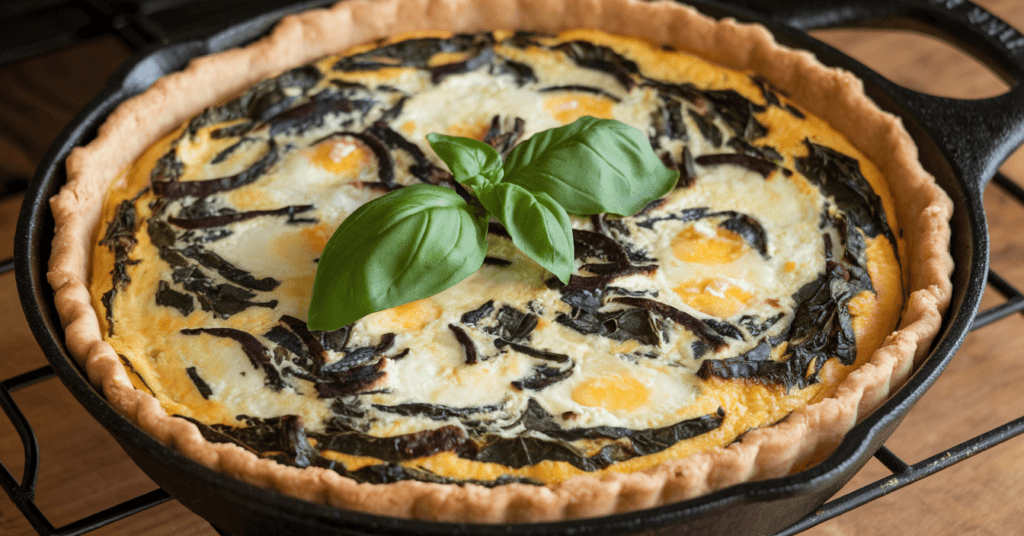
x=768 y=274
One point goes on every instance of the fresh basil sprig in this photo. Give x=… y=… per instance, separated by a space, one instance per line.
x=419 y=240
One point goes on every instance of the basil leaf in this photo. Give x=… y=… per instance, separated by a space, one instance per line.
x=591 y=166
x=472 y=162
x=407 y=245
x=539 y=226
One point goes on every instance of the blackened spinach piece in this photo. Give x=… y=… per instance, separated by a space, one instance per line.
x=601 y=58
x=264 y=100
x=203 y=207
x=498 y=229
x=258 y=354
x=178 y=189
x=227 y=270
x=401 y=447
x=576 y=88
x=168 y=168
x=333 y=383
x=771 y=99
x=687 y=170
x=232 y=131
x=223 y=155
x=495 y=261
x=756 y=365
x=284 y=338
x=707 y=127
x=724 y=329
x=667 y=120
x=532 y=352
x=435 y=412
x=501 y=138
x=694 y=325
x=658 y=439
x=543 y=376
x=839 y=177
x=254 y=350
x=587 y=300
x=224 y=299
x=424 y=170
x=477 y=59
x=335 y=340
x=738 y=112
x=756 y=326
x=643 y=442
x=387 y=473
x=478 y=314
x=387 y=340
x=285 y=440
x=625 y=324
x=199 y=382
x=613 y=270
x=354 y=357
x=686 y=91
x=282 y=439
x=594 y=245
x=310 y=341
x=259 y=436
x=467 y=343
x=698 y=348
x=311 y=114
x=750 y=230
x=822 y=326
x=168 y=297
x=235 y=217
x=108 y=303
x=524 y=39
x=684 y=215
x=753 y=163
x=513 y=324
x=767 y=90
x=521 y=73
x=631 y=324
x=528 y=450
x=411 y=52
x=120 y=239
x=607 y=274
x=763 y=152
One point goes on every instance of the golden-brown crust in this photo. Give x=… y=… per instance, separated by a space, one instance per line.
x=804 y=438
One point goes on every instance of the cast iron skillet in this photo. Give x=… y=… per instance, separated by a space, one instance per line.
x=961 y=142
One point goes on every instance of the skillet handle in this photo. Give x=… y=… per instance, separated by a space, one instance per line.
x=976 y=135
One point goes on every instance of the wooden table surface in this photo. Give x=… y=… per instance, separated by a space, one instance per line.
x=84 y=471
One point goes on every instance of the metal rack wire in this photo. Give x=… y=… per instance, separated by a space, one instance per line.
x=23 y=21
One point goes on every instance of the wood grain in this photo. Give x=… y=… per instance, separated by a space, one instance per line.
x=84 y=470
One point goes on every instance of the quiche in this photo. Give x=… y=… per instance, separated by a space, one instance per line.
x=733 y=329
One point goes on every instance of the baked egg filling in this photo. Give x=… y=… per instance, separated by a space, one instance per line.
x=769 y=273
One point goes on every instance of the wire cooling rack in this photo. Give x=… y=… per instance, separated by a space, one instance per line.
x=33 y=27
